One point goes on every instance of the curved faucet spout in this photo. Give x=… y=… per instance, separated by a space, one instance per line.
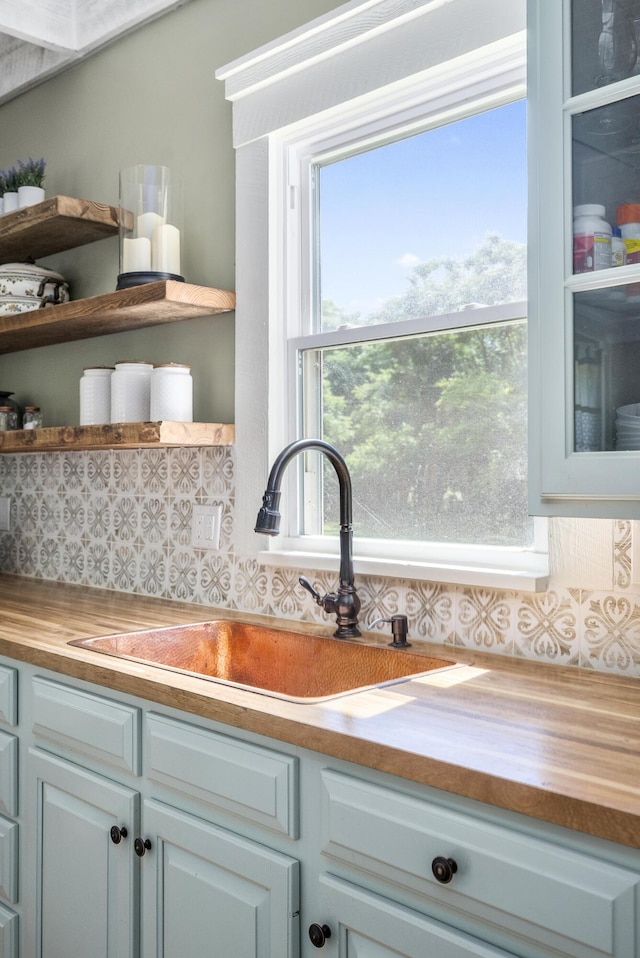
x=345 y=603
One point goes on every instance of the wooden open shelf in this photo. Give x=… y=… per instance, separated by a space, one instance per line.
x=130 y=435
x=63 y=223
x=166 y=301
x=57 y=224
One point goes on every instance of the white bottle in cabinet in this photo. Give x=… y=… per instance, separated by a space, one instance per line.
x=584 y=345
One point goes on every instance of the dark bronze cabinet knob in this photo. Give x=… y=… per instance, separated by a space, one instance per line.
x=140 y=846
x=319 y=934
x=443 y=869
x=117 y=834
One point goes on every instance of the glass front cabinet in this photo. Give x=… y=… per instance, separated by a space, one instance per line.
x=584 y=249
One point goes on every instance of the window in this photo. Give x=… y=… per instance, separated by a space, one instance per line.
x=392 y=320
x=432 y=418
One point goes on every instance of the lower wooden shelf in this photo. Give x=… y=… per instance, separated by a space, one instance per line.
x=126 y=435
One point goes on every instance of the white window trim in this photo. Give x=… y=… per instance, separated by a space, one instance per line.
x=366 y=60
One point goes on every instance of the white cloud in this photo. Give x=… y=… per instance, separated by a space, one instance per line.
x=408 y=261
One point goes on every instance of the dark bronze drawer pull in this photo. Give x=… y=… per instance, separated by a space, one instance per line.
x=117 y=834
x=319 y=934
x=443 y=869
x=140 y=846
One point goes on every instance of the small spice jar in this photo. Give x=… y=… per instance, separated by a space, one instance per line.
x=32 y=418
x=8 y=418
x=172 y=393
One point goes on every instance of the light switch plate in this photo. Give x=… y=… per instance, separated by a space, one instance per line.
x=205 y=529
x=5 y=513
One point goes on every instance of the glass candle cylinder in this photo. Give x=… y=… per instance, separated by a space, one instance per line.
x=172 y=393
x=95 y=395
x=150 y=225
x=131 y=391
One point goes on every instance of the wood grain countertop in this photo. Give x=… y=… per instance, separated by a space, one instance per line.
x=559 y=744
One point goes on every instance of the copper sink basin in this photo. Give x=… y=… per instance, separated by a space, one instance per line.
x=286 y=664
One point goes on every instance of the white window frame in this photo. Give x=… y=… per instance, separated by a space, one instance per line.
x=367 y=66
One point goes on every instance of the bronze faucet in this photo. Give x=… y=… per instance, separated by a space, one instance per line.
x=344 y=603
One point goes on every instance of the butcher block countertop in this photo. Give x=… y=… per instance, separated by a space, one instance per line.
x=559 y=744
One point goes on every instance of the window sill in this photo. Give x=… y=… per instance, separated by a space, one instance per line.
x=534 y=578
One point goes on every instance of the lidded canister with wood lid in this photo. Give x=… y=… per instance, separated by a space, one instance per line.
x=131 y=391
x=172 y=393
x=95 y=395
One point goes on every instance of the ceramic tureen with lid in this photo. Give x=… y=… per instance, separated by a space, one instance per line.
x=25 y=286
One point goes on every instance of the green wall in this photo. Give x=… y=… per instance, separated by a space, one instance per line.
x=151 y=97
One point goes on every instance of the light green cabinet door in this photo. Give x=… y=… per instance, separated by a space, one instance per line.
x=85 y=884
x=365 y=925
x=208 y=893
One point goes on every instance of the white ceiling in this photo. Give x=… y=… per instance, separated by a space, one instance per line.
x=41 y=37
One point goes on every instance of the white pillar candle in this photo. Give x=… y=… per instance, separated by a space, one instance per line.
x=136 y=255
x=165 y=249
x=147 y=222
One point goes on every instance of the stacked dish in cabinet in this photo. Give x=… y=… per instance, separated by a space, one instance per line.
x=628 y=426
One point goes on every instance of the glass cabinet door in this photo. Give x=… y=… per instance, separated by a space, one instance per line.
x=585 y=322
x=604 y=43
x=605 y=150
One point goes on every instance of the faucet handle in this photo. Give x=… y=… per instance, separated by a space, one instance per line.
x=328 y=602
x=304 y=582
x=399 y=630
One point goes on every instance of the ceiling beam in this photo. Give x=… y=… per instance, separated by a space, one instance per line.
x=99 y=22
x=22 y=66
x=45 y=23
x=39 y=38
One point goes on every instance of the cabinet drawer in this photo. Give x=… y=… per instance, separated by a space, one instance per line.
x=8 y=774
x=8 y=933
x=369 y=926
x=96 y=727
x=567 y=900
x=8 y=859
x=247 y=780
x=8 y=695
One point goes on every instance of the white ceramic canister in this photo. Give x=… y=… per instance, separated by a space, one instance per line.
x=131 y=391
x=172 y=393
x=95 y=395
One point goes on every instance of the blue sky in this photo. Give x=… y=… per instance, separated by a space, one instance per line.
x=434 y=194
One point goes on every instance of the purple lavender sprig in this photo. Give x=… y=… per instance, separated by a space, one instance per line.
x=31 y=172
x=10 y=180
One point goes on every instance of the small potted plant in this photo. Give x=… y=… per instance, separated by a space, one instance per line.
x=10 y=193
x=30 y=176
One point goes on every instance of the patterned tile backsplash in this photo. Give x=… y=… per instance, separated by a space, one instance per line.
x=122 y=520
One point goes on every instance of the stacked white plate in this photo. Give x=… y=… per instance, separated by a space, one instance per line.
x=628 y=426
